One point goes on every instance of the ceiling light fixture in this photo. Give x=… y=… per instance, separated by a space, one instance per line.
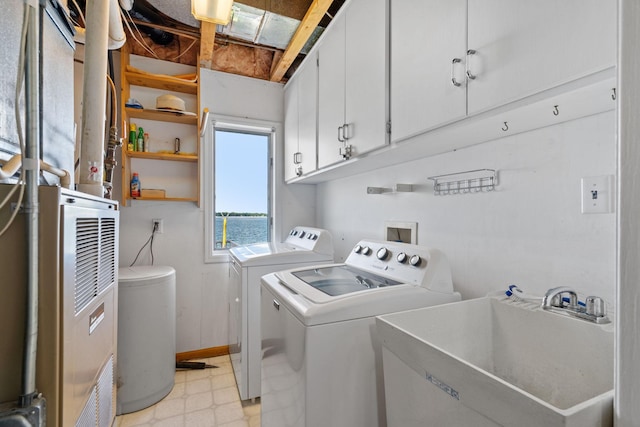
x=215 y=11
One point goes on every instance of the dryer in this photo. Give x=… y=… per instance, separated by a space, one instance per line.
x=303 y=246
x=322 y=358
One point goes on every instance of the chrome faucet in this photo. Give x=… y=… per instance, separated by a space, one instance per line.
x=593 y=309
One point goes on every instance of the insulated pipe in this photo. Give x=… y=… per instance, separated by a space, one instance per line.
x=117 y=37
x=116 y=30
x=31 y=165
x=65 y=177
x=13 y=165
x=94 y=98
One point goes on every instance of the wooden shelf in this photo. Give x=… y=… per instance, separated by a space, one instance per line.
x=165 y=199
x=162 y=156
x=133 y=82
x=162 y=116
x=160 y=82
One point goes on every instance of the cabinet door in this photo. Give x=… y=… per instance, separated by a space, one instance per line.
x=307 y=114
x=366 y=71
x=290 y=129
x=426 y=36
x=331 y=96
x=524 y=47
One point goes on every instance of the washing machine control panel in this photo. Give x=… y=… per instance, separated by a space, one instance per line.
x=399 y=261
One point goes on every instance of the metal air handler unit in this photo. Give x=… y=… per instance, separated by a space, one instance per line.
x=78 y=294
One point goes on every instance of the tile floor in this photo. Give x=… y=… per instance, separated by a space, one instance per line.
x=200 y=398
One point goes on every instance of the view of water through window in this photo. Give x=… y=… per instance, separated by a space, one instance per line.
x=241 y=188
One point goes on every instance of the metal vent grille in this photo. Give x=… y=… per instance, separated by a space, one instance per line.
x=106 y=274
x=95 y=259
x=105 y=395
x=88 y=416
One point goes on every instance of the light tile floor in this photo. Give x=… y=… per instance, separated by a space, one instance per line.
x=200 y=398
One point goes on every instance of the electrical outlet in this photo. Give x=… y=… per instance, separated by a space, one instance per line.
x=159 y=222
x=597 y=194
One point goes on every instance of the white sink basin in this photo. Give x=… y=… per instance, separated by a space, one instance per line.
x=503 y=363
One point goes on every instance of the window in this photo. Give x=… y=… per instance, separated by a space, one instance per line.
x=238 y=185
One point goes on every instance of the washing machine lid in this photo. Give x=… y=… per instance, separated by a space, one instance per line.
x=342 y=279
x=312 y=306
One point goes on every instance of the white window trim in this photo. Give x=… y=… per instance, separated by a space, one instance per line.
x=211 y=255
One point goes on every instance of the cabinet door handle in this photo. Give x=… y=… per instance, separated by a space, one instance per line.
x=453 y=71
x=341 y=133
x=297 y=158
x=276 y=305
x=346 y=134
x=470 y=53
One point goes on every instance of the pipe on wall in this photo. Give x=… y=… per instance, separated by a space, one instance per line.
x=94 y=98
x=117 y=36
x=32 y=171
x=97 y=41
x=11 y=166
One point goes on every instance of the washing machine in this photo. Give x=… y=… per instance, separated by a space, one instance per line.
x=322 y=358
x=303 y=246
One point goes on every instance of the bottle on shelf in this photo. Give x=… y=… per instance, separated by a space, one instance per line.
x=146 y=142
x=132 y=137
x=140 y=141
x=135 y=185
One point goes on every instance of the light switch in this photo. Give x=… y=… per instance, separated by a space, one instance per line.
x=597 y=194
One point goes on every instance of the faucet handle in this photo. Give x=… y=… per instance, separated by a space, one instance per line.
x=595 y=306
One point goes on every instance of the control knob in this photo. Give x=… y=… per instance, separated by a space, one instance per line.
x=366 y=250
x=401 y=258
x=302 y=234
x=382 y=254
x=357 y=249
x=415 y=260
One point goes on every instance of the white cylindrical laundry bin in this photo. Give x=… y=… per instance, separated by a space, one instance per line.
x=146 y=336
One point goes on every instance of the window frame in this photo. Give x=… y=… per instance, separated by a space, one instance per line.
x=240 y=125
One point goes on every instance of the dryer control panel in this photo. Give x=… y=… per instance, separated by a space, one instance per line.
x=313 y=239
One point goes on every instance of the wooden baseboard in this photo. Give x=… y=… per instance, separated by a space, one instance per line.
x=203 y=353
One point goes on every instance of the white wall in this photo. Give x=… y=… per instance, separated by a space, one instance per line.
x=529 y=231
x=627 y=391
x=201 y=289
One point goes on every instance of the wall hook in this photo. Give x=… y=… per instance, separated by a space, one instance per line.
x=555 y=110
x=613 y=95
x=505 y=127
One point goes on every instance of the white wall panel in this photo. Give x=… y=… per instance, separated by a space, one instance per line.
x=530 y=231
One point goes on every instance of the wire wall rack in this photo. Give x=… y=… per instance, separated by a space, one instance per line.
x=472 y=181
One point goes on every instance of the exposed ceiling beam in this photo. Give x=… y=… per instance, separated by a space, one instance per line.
x=207 y=40
x=309 y=23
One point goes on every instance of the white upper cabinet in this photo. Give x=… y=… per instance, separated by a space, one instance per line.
x=455 y=58
x=308 y=115
x=353 y=83
x=290 y=130
x=331 y=93
x=524 y=47
x=428 y=48
x=300 y=124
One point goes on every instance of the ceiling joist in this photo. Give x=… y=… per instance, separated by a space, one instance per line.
x=207 y=40
x=316 y=11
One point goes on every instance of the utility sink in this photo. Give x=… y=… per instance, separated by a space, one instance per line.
x=492 y=361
